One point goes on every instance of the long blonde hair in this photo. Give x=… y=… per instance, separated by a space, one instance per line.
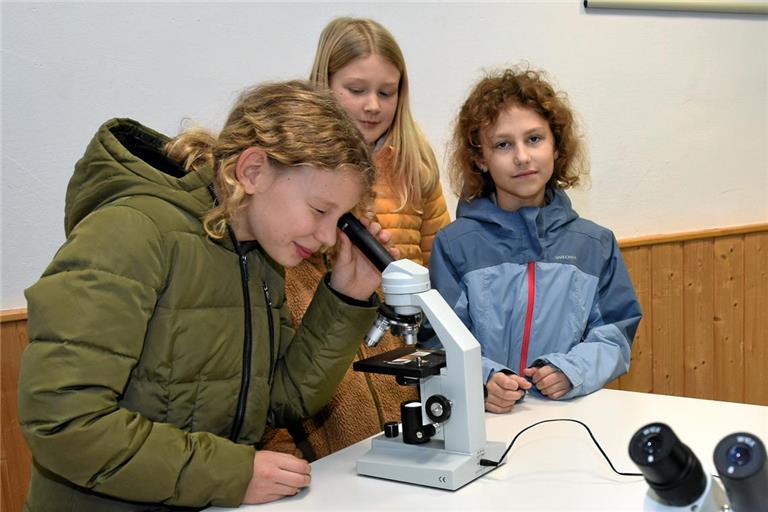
x=295 y=123
x=414 y=167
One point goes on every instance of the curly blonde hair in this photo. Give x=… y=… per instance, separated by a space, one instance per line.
x=525 y=88
x=415 y=170
x=295 y=123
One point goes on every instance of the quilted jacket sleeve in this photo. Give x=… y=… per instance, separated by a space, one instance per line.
x=319 y=354
x=88 y=316
x=604 y=352
x=435 y=217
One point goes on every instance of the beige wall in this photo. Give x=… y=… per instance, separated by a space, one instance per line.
x=675 y=105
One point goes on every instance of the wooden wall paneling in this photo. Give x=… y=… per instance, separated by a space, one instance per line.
x=756 y=318
x=667 y=311
x=640 y=375
x=729 y=318
x=15 y=459
x=698 y=234
x=698 y=311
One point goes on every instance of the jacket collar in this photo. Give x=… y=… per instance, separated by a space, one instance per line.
x=537 y=223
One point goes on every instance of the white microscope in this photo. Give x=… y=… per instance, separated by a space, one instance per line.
x=443 y=435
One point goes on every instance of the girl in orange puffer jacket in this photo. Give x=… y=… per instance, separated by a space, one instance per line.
x=360 y=61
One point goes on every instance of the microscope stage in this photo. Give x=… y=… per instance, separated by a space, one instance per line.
x=405 y=361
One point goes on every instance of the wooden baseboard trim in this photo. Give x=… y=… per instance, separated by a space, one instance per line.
x=12 y=315
x=693 y=235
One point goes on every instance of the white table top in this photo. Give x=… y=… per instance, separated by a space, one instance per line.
x=554 y=466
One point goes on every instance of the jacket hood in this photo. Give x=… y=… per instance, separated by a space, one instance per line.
x=124 y=159
x=537 y=223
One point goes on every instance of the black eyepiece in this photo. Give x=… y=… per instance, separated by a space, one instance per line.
x=740 y=462
x=652 y=446
x=739 y=455
x=669 y=466
x=359 y=235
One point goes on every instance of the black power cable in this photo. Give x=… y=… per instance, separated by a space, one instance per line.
x=486 y=462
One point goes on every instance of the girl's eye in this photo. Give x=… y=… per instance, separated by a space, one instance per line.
x=502 y=145
x=534 y=139
x=318 y=211
x=386 y=94
x=356 y=90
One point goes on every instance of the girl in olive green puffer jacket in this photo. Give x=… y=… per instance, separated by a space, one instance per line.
x=160 y=342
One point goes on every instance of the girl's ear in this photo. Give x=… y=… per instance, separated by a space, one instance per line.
x=480 y=163
x=252 y=170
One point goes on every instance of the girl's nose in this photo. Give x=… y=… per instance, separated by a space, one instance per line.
x=522 y=156
x=326 y=232
x=372 y=103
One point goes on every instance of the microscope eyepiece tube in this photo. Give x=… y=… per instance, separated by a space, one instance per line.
x=359 y=235
x=740 y=460
x=670 y=468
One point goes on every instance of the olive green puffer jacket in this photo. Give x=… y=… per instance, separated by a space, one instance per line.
x=152 y=345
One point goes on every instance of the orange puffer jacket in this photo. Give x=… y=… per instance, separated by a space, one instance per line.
x=412 y=231
x=363 y=401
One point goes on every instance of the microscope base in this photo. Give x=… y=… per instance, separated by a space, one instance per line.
x=426 y=464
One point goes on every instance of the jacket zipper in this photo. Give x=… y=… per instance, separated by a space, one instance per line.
x=245 y=377
x=271 y=331
x=528 y=316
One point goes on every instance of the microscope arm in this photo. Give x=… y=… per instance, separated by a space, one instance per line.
x=465 y=431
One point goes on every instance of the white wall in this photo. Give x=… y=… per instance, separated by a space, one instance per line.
x=675 y=105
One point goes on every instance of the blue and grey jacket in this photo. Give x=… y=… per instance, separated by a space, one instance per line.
x=541 y=274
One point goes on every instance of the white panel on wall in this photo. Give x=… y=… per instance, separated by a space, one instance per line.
x=674 y=106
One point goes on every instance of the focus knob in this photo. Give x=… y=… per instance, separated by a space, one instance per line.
x=391 y=429
x=438 y=408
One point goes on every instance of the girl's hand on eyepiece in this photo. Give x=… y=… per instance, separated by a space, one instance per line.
x=353 y=274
